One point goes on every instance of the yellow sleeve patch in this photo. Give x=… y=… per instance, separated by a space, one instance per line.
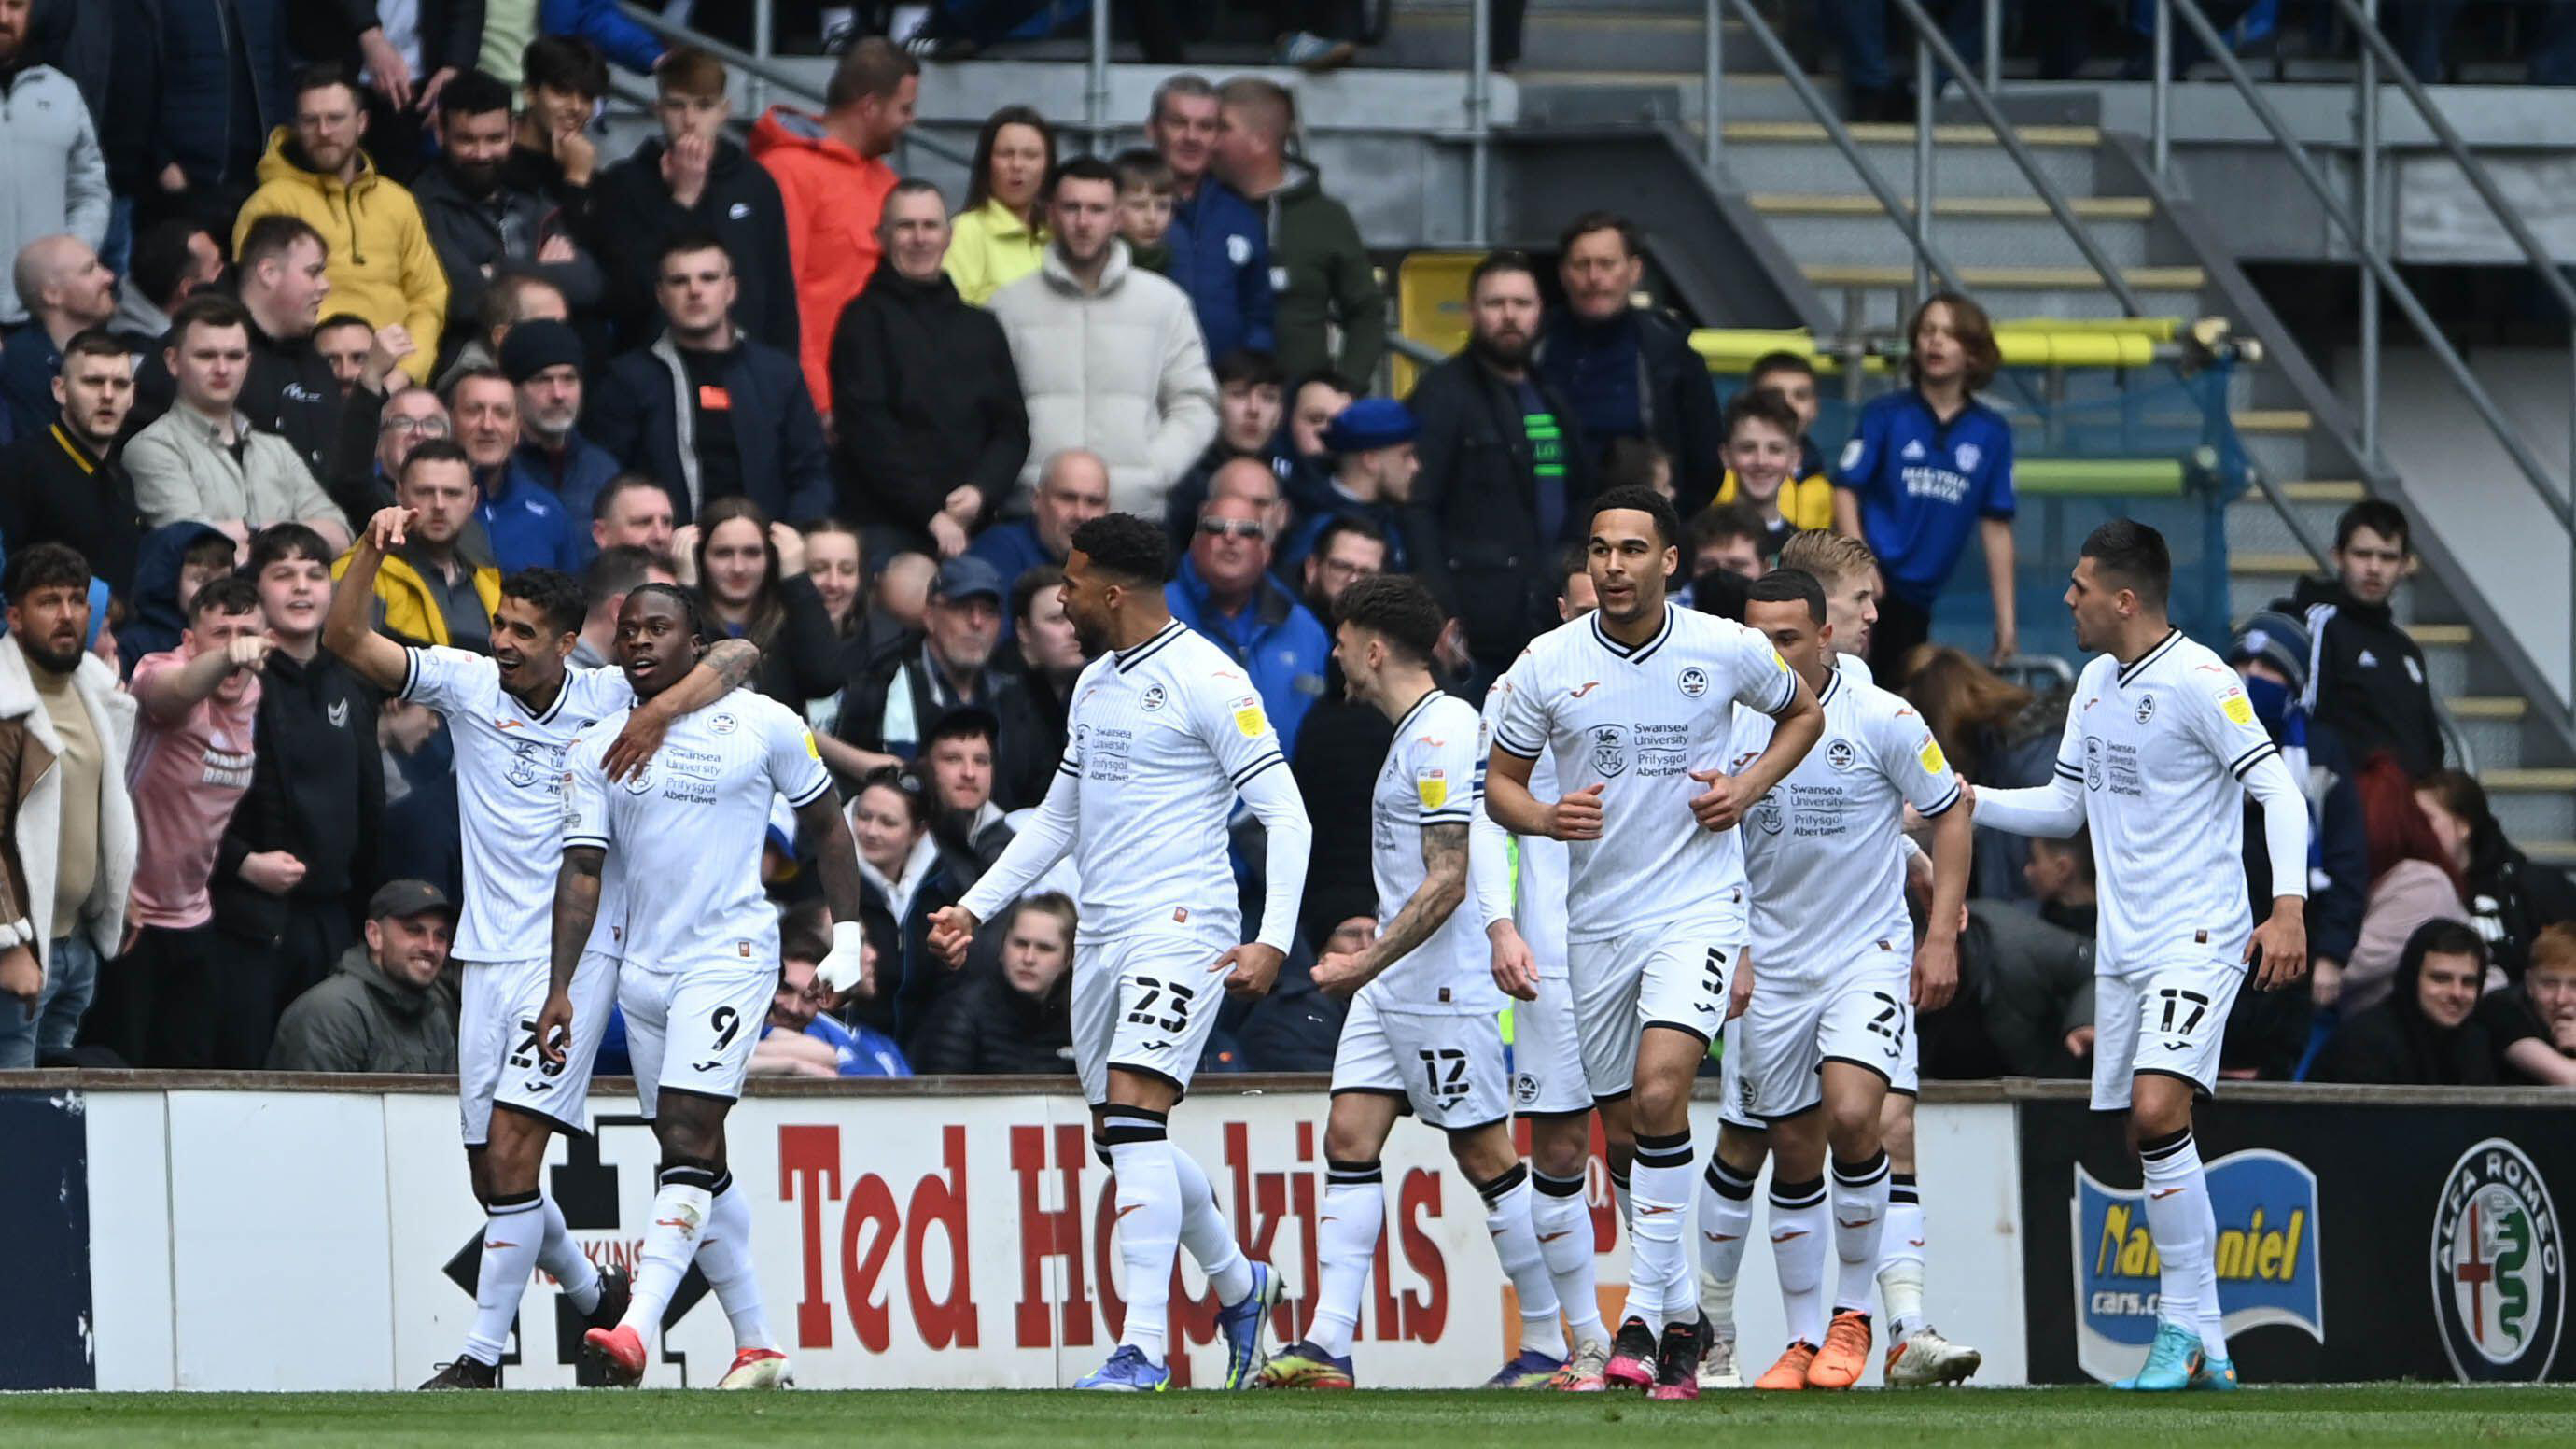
x=1249 y=721
x=2238 y=708
x=1433 y=787
x=1933 y=760
x=810 y=747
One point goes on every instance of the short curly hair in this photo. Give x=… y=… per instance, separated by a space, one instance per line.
x=1130 y=547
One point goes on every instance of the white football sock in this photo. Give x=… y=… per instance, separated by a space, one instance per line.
x=1658 y=1271
x=1208 y=1236
x=1354 y=1212
x=512 y=1227
x=1619 y=1193
x=1860 y=1211
x=566 y=1263
x=680 y=1209
x=1149 y=1222
x=1507 y=1221
x=2178 y=1217
x=1725 y=1220
x=2213 y=1317
x=724 y=1255
x=1900 y=1258
x=1799 y=1221
x=1562 y=1222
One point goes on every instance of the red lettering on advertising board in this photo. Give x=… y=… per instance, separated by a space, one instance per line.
x=871 y=1201
x=940 y=1201
x=1051 y=1233
x=809 y=1170
x=1425 y=1316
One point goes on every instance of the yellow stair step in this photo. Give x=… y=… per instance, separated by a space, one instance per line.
x=2529 y=781
x=2439 y=636
x=1903 y=133
x=2488 y=706
x=2273 y=421
x=2143 y=279
x=2550 y=852
x=2311 y=490
x=2269 y=565
x=2089 y=208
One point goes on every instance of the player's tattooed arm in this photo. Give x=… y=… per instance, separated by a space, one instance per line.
x=723 y=668
x=1444 y=886
x=836 y=854
x=576 y=908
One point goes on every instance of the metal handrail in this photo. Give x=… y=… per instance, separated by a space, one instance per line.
x=2422 y=320
x=1929 y=36
x=1814 y=100
x=768 y=72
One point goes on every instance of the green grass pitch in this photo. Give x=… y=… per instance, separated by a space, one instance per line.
x=2358 y=1415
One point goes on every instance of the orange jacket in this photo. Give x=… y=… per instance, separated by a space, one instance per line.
x=833 y=196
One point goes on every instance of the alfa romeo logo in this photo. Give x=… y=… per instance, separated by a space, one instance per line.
x=2499 y=1266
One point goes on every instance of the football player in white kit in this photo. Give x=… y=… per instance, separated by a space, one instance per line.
x=700 y=960
x=1520 y=894
x=512 y=714
x=1163 y=733
x=1636 y=702
x=1836 y=972
x=2161 y=748
x=1424 y=1030
x=1917 y=1353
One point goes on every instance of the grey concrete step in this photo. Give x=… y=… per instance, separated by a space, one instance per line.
x=2010 y=292
x=1979 y=231
x=2532 y=804
x=1968 y=161
x=2254 y=526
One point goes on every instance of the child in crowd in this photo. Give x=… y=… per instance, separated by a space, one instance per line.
x=1146 y=195
x=1762 y=457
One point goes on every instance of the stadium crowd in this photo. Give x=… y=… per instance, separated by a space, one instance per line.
x=300 y=272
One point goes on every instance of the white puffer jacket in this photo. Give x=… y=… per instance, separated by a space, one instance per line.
x=1120 y=371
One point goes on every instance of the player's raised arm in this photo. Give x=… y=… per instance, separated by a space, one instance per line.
x=2055 y=809
x=346 y=629
x=1032 y=853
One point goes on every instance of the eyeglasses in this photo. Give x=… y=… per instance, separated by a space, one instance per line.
x=425 y=427
x=1234 y=527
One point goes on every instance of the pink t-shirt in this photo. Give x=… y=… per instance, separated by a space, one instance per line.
x=186 y=778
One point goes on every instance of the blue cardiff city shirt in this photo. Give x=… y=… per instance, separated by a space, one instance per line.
x=1923 y=484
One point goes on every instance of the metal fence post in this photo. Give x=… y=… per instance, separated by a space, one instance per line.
x=1712 y=105
x=2366 y=106
x=1095 y=85
x=1480 y=107
x=764 y=24
x=1994 y=47
x=2160 y=95
x=1923 y=88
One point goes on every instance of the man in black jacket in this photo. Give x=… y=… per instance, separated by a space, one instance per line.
x=925 y=401
x=2369 y=682
x=65 y=484
x=298 y=857
x=915 y=681
x=1506 y=474
x=708 y=411
x=693 y=179
x=486 y=210
x=1628 y=372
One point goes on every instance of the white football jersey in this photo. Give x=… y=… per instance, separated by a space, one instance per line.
x=1539 y=882
x=1638 y=721
x=1157 y=741
x=2162 y=748
x=509 y=785
x=688 y=829
x=1429 y=778
x=1822 y=851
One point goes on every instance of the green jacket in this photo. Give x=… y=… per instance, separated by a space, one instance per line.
x=1321 y=274
x=361 y=1020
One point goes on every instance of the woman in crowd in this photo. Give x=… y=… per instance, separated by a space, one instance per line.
x=1927 y=465
x=1015 y=1016
x=997 y=237
x=834 y=563
x=2510 y=896
x=2412 y=884
x=750 y=592
x=899 y=865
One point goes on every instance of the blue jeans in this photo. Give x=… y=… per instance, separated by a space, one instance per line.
x=71 y=978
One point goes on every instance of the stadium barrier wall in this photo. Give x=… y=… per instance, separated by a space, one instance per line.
x=268 y=1233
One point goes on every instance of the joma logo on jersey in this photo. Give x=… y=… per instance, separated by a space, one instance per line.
x=2499 y=1266
x=2266 y=1205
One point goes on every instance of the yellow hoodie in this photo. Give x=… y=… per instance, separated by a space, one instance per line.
x=381 y=265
